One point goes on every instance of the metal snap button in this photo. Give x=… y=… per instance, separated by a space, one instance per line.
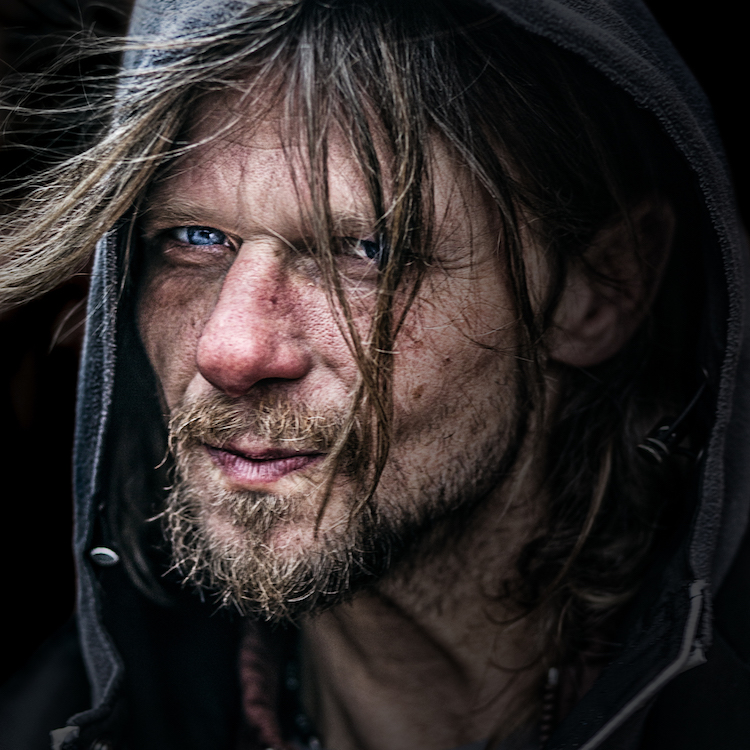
x=104 y=556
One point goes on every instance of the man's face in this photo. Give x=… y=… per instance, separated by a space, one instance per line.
x=258 y=377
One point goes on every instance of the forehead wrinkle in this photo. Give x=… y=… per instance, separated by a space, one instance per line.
x=256 y=158
x=235 y=126
x=244 y=188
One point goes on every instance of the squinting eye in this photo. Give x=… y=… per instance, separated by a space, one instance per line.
x=376 y=250
x=199 y=236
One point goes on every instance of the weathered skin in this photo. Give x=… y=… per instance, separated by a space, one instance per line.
x=420 y=661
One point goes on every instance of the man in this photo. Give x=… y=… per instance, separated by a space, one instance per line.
x=437 y=332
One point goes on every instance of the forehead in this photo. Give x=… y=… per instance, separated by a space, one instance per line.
x=242 y=169
x=248 y=171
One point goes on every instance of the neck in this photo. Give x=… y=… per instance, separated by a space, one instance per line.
x=433 y=657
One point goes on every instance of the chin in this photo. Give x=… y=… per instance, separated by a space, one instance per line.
x=261 y=554
x=285 y=538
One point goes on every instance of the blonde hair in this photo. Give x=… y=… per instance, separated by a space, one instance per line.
x=542 y=133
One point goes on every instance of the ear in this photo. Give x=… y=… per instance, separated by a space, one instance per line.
x=598 y=312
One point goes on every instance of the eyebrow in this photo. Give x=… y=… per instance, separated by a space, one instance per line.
x=173 y=212
x=169 y=213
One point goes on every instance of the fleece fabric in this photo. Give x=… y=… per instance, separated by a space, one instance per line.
x=681 y=678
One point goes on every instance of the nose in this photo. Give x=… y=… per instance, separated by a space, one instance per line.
x=254 y=332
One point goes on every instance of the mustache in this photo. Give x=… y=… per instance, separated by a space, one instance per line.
x=218 y=419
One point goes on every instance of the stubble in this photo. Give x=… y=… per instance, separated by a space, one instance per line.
x=221 y=539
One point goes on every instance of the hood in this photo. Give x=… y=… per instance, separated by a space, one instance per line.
x=673 y=626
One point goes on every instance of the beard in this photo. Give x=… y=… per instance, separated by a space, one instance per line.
x=373 y=535
x=246 y=572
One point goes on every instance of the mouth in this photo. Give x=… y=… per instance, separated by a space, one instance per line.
x=251 y=468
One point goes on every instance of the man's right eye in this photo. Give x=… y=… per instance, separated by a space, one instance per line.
x=198 y=236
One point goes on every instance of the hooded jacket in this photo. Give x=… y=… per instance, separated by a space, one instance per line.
x=682 y=676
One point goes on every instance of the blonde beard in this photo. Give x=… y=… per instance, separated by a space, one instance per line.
x=246 y=573
x=242 y=568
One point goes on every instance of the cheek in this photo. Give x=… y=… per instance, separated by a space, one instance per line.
x=456 y=355
x=172 y=312
x=437 y=389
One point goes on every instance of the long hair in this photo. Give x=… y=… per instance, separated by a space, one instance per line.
x=544 y=135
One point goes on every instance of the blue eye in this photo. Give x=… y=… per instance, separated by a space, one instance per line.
x=376 y=250
x=371 y=249
x=199 y=236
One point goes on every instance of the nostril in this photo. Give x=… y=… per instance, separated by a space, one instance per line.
x=235 y=360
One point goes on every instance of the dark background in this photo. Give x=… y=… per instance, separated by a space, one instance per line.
x=40 y=342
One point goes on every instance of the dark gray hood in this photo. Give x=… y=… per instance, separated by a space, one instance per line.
x=620 y=39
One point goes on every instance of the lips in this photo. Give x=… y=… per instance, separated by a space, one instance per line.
x=250 y=468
